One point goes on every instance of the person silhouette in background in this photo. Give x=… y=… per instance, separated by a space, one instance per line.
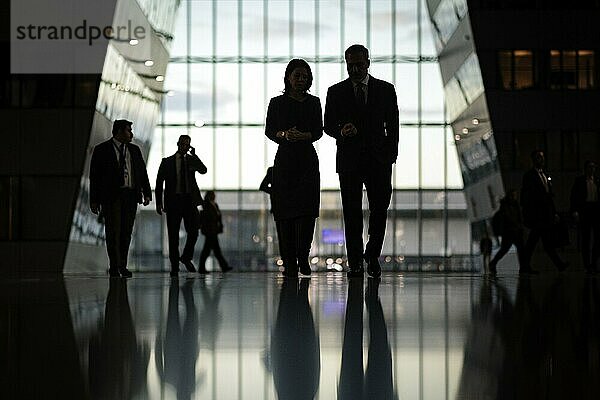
x=512 y=229
x=176 y=355
x=376 y=381
x=295 y=349
x=585 y=207
x=361 y=114
x=118 y=182
x=539 y=213
x=211 y=227
x=294 y=122
x=181 y=200
x=118 y=363
x=266 y=185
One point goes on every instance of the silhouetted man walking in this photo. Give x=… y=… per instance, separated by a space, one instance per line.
x=181 y=200
x=118 y=182
x=539 y=213
x=361 y=113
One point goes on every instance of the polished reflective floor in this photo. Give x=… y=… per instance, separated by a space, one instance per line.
x=258 y=336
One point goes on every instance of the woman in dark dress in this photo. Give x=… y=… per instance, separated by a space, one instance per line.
x=294 y=121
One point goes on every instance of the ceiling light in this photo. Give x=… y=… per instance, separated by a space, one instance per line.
x=133 y=42
x=160 y=78
x=149 y=63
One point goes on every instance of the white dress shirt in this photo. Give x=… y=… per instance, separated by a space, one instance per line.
x=117 y=147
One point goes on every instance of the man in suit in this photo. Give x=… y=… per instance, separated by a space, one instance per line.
x=118 y=182
x=181 y=200
x=585 y=207
x=361 y=114
x=539 y=213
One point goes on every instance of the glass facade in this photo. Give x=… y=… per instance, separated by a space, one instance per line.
x=127 y=89
x=228 y=60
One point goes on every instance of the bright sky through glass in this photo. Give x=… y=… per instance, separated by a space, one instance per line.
x=238 y=93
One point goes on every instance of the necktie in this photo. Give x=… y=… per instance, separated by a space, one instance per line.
x=122 y=163
x=544 y=180
x=182 y=175
x=360 y=95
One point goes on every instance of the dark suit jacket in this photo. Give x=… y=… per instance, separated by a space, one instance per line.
x=105 y=174
x=579 y=193
x=537 y=204
x=211 y=223
x=167 y=173
x=377 y=123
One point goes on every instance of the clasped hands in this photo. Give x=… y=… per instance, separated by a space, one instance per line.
x=293 y=135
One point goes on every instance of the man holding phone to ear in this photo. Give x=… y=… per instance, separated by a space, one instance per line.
x=181 y=200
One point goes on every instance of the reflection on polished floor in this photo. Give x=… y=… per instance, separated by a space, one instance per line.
x=257 y=336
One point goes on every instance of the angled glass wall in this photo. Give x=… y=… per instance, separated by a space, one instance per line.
x=228 y=59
